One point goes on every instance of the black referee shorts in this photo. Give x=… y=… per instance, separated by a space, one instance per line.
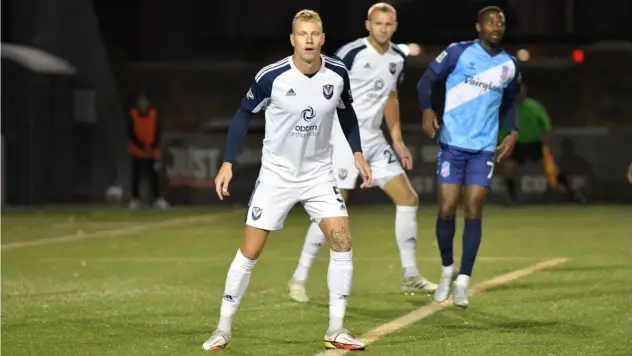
x=527 y=152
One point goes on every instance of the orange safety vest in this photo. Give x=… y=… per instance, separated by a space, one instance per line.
x=145 y=130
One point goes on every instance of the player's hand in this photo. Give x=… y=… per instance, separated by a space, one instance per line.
x=222 y=179
x=430 y=123
x=506 y=147
x=630 y=173
x=365 y=170
x=404 y=154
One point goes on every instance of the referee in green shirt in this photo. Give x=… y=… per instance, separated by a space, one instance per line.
x=535 y=125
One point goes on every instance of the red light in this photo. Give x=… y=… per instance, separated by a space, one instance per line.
x=578 y=55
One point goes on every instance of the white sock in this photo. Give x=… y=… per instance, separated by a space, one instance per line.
x=406 y=235
x=313 y=241
x=236 y=284
x=447 y=270
x=463 y=280
x=339 y=278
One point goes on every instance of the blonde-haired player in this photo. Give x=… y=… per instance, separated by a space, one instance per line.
x=301 y=94
x=376 y=69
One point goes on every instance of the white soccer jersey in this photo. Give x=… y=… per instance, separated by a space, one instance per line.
x=299 y=113
x=373 y=77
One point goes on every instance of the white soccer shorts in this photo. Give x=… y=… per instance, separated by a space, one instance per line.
x=269 y=204
x=377 y=152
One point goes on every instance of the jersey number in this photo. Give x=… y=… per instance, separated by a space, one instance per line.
x=338 y=196
x=491 y=170
x=390 y=156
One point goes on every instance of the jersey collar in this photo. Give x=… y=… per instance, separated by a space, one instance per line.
x=477 y=42
x=322 y=65
x=373 y=49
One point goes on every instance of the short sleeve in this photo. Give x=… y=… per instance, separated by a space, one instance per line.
x=446 y=61
x=257 y=96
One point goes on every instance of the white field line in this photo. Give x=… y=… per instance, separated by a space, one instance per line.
x=430 y=309
x=111 y=233
x=182 y=259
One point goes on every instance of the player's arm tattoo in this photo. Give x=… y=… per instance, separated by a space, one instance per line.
x=340 y=239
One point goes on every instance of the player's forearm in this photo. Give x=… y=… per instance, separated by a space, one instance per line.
x=349 y=124
x=424 y=89
x=237 y=134
x=391 y=116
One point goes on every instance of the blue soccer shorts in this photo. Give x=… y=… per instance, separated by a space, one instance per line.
x=456 y=166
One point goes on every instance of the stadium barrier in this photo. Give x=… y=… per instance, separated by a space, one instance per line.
x=594 y=159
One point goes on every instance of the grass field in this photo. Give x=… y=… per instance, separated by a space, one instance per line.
x=153 y=284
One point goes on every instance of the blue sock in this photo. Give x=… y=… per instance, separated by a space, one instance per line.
x=471 y=241
x=445 y=240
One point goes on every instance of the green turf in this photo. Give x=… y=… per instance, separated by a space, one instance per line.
x=158 y=291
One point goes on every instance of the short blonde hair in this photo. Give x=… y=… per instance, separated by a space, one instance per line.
x=307 y=16
x=381 y=7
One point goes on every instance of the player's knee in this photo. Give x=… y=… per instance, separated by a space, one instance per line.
x=250 y=253
x=408 y=199
x=253 y=242
x=473 y=209
x=340 y=240
x=447 y=210
x=401 y=192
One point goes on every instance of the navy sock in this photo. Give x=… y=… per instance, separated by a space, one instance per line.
x=471 y=241
x=445 y=240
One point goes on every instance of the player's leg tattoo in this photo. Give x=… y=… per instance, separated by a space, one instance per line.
x=314 y=240
x=340 y=272
x=340 y=239
x=239 y=273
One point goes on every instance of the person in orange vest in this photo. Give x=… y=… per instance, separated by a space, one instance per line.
x=144 y=133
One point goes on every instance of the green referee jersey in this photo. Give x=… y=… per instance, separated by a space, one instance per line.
x=532 y=122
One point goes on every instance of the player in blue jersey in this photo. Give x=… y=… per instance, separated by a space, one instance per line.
x=482 y=84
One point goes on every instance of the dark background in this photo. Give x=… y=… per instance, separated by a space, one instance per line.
x=64 y=136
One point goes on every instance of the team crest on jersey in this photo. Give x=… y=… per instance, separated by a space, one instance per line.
x=445 y=169
x=328 y=91
x=392 y=67
x=256 y=213
x=504 y=73
x=342 y=173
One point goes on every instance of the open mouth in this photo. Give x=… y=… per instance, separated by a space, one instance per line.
x=309 y=49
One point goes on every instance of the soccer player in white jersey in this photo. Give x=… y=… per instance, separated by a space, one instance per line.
x=301 y=94
x=376 y=68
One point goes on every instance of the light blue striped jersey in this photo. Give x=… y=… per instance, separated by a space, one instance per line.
x=477 y=84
